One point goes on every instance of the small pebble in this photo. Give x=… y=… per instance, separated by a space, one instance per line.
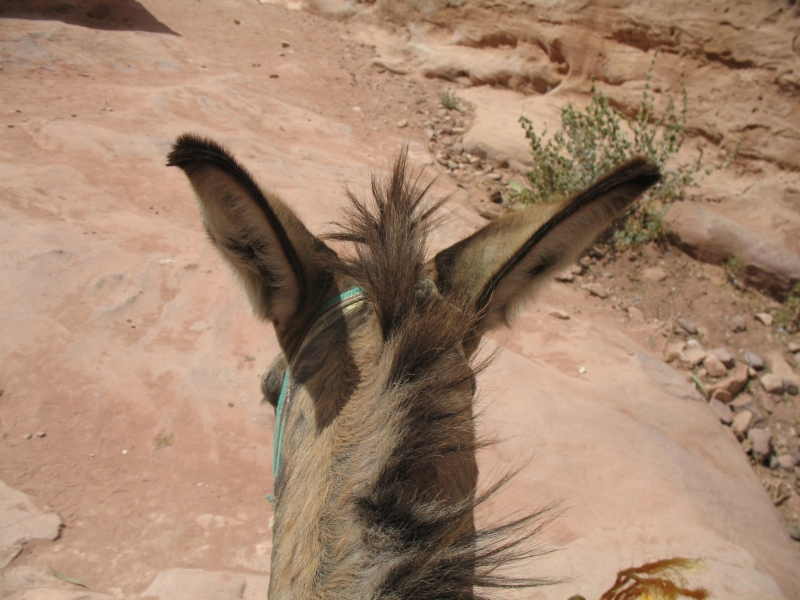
x=754 y=360
x=787 y=462
x=688 y=326
x=772 y=383
x=792 y=347
x=725 y=357
x=581 y=370
x=402 y=123
x=595 y=289
x=27 y=436
x=742 y=422
x=738 y=324
x=124 y=451
x=722 y=395
x=765 y=318
x=285 y=44
x=790 y=387
x=41 y=433
x=794 y=531
x=714 y=366
x=559 y=314
x=761 y=440
x=722 y=411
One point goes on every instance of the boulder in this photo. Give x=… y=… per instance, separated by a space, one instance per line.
x=711 y=237
x=21 y=520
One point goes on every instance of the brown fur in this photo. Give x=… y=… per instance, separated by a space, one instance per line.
x=377 y=488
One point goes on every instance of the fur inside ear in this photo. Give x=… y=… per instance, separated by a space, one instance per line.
x=503 y=265
x=274 y=255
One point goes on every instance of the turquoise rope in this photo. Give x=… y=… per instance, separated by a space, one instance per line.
x=277 y=440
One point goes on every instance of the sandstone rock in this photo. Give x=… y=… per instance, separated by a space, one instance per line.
x=765 y=318
x=761 y=440
x=782 y=369
x=196 y=584
x=714 y=366
x=402 y=123
x=787 y=462
x=754 y=360
x=692 y=356
x=21 y=521
x=742 y=422
x=595 y=289
x=733 y=383
x=772 y=383
x=722 y=411
x=559 y=314
x=738 y=324
x=712 y=237
x=655 y=274
x=673 y=350
x=688 y=326
x=565 y=277
x=722 y=395
x=725 y=357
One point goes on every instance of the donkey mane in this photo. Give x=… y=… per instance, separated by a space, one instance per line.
x=417 y=546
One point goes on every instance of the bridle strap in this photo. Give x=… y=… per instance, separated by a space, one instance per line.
x=332 y=311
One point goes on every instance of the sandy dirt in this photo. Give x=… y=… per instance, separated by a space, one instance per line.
x=126 y=342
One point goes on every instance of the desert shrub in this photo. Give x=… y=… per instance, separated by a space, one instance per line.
x=450 y=101
x=593 y=141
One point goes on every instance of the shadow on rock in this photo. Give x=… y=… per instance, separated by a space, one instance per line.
x=120 y=15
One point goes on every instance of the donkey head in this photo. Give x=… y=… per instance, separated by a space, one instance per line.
x=375 y=471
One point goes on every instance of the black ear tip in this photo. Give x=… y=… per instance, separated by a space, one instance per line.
x=193 y=148
x=644 y=170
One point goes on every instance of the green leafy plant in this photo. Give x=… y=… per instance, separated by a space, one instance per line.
x=593 y=141
x=450 y=101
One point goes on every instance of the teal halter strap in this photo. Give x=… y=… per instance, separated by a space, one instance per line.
x=334 y=309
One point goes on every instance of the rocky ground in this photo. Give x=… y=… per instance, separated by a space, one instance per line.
x=129 y=412
x=700 y=318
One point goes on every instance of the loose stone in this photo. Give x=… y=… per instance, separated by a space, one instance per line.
x=655 y=274
x=733 y=383
x=595 y=289
x=722 y=395
x=722 y=411
x=692 y=356
x=787 y=462
x=793 y=347
x=673 y=350
x=738 y=324
x=714 y=366
x=754 y=360
x=772 y=383
x=765 y=318
x=559 y=314
x=742 y=422
x=725 y=357
x=790 y=387
x=761 y=439
x=687 y=326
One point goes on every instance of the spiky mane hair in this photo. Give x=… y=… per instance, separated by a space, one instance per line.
x=414 y=546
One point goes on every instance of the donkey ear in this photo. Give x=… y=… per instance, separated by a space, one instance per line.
x=267 y=245
x=500 y=267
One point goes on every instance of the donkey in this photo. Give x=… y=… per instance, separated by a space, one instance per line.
x=374 y=451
